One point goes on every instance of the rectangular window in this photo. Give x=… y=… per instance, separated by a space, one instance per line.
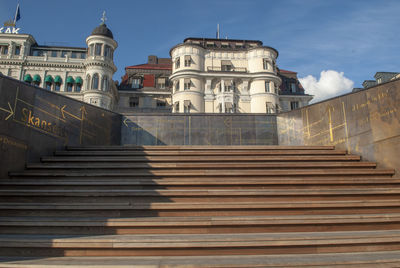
x=57 y=86
x=267 y=87
x=107 y=51
x=226 y=66
x=17 y=50
x=210 y=45
x=54 y=54
x=188 y=60
x=91 y=50
x=136 y=83
x=97 y=50
x=73 y=55
x=161 y=83
x=266 y=64
x=187 y=84
x=176 y=107
x=186 y=105
x=69 y=87
x=83 y=55
x=133 y=102
x=4 y=50
x=161 y=104
x=37 y=53
x=63 y=54
x=177 y=63
x=177 y=86
x=293 y=87
x=294 y=105
x=224 y=45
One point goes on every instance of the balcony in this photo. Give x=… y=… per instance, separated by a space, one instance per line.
x=226 y=69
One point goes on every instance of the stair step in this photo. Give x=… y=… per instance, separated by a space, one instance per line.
x=202 y=193
x=268 y=180
x=189 y=158
x=382 y=259
x=201 y=206
x=198 y=147
x=207 y=173
x=201 y=220
x=199 y=153
x=199 y=165
x=200 y=244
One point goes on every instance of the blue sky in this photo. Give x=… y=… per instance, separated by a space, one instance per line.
x=353 y=37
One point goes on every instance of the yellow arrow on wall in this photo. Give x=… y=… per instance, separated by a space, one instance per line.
x=11 y=112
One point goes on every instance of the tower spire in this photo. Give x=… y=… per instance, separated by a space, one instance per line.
x=103 y=19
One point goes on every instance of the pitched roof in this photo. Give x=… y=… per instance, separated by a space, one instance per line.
x=151 y=66
x=286 y=71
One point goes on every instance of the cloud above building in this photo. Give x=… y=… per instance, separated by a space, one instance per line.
x=330 y=84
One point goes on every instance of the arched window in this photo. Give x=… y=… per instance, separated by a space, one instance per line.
x=95 y=81
x=104 y=83
x=79 y=82
x=57 y=83
x=88 y=82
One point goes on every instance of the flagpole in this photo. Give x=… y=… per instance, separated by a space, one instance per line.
x=16 y=13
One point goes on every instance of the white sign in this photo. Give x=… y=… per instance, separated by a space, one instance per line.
x=10 y=30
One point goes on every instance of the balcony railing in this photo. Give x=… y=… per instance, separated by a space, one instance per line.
x=226 y=70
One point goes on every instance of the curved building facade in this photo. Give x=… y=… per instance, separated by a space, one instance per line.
x=83 y=73
x=224 y=76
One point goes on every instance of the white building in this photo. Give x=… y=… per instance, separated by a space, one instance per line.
x=228 y=76
x=83 y=73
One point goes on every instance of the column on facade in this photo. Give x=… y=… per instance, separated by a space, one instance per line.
x=223 y=98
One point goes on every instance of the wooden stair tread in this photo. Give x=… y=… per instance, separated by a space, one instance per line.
x=201 y=158
x=200 y=147
x=201 y=240
x=200 y=220
x=199 y=153
x=236 y=192
x=209 y=166
x=207 y=206
x=205 y=172
x=383 y=259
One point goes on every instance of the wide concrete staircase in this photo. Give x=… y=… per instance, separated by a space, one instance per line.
x=188 y=206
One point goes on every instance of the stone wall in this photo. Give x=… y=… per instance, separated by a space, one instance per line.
x=199 y=129
x=35 y=122
x=365 y=123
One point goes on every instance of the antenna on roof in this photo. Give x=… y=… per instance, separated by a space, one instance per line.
x=218 y=31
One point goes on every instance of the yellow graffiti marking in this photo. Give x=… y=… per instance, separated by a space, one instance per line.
x=11 y=112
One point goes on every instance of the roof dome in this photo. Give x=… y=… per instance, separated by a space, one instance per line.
x=103 y=30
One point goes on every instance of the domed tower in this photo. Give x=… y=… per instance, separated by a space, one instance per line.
x=100 y=67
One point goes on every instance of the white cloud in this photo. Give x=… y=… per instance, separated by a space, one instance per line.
x=330 y=84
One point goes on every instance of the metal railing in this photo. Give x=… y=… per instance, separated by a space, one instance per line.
x=228 y=70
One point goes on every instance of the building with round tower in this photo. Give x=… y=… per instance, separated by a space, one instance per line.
x=82 y=73
x=227 y=76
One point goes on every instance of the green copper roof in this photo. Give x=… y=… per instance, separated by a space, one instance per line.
x=36 y=78
x=70 y=80
x=28 y=78
x=79 y=80
x=48 y=79
x=57 y=79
